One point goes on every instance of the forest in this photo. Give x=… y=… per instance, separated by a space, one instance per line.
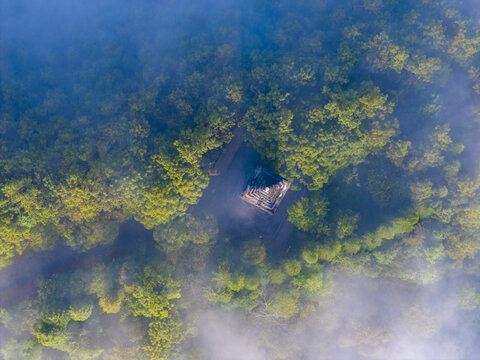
x=116 y=118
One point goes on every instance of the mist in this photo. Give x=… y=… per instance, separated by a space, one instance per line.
x=130 y=129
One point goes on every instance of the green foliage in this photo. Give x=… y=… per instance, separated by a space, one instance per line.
x=236 y=282
x=52 y=331
x=223 y=295
x=329 y=250
x=459 y=248
x=385 y=257
x=468 y=219
x=351 y=246
x=93 y=234
x=400 y=225
x=252 y=283
x=180 y=184
x=329 y=98
x=228 y=283
x=162 y=334
x=292 y=267
x=358 y=125
x=435 y=253
x=111 y=303
x=310 y=253
x=81 y=199
x=103 y=283
x=253 y=252
x=351 y=107
x=464 y=46
x=80 y=311
x=23 y=349
x=283 y=305
x=384 y=183
x=424 y=68
x=179 y=232
x=153 y=296
x=5 y=317
x=346 y=225
x=469 y=298
x=277 y=276
x=310 y=282
x=308 y=214
x=385 y=55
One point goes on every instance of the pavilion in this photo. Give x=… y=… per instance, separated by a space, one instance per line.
x=265 y=190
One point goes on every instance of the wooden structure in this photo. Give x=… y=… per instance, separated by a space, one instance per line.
x=265 y=190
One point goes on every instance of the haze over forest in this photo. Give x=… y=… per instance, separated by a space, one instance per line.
x=128 y=130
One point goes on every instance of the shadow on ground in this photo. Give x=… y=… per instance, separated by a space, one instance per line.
x=237 y=219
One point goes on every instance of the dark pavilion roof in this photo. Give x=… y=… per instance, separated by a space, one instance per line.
x=265 y=190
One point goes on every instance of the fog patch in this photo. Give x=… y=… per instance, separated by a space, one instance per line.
x=222 y=336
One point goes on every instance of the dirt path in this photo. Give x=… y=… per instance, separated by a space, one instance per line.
x=19 y=277
x=230 y=150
